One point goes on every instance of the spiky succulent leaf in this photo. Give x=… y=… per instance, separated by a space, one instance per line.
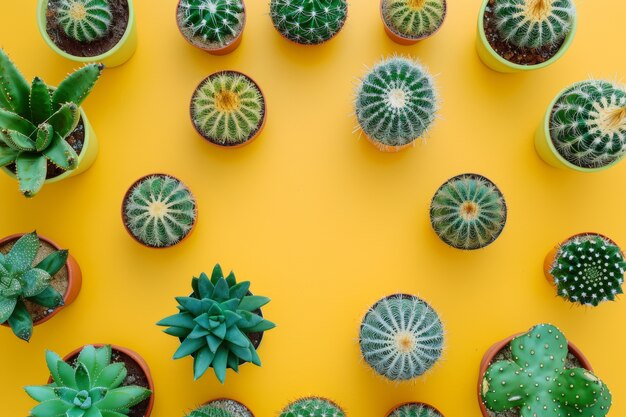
x=17 y=140
x=14 y=90
x=414 y=19
x=84 y=20
x=7 y=155
x=40 y=101
x=415 y=410
x=21 y=322
x=309 y=22
x=13 y=121
x=61 y=153
x=31 y=171
x=76 y=87
x=312 y=407
x=45 y=134
x=212 y=24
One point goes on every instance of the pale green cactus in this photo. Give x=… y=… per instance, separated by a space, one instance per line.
x=84 y=20
x=312 y=407
x=414 y=19
x=415 y=410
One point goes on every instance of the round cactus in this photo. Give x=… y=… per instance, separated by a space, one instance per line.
x=468 y=212
x=222 y=408
x=588 y=124
x=309 y=22
x=588 y=269
x=415 y=410
x=228 y=108
x=401 y=337
x=84 y=20
x=159 y=211
x=396 y=102
x=211 y=24
x=312 y=407
x=414 y=19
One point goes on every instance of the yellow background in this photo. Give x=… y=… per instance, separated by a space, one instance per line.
x=314 y=216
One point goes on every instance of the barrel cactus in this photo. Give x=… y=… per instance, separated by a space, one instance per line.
x=396 y=103
x=538 y=382
x=312 y=407
x=309 y=22
x=414 y=19
x=414 y=410
x=401 y=337
x=221 y=408
x=84 y=20
x=211 y=24
x=468 y=212
x=159 y=211
x=588 y=269
x=588 y=124
x=534 y=23
x=228 y=108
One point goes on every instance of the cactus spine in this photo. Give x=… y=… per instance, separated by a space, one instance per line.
x=84 y=20
x=212 y=24
x=401 y=337
x=415 y=410
x=414 y=19
x=312 y=407
x=309 y=22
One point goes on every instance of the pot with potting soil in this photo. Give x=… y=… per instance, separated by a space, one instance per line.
x=539 y=373
x=407 y=22
x=220 y=325
x=584 y=128
x=415 y=410
x=312 y=407
x=89 y=30
x=524 y=35
x=223 y=407
x=37 y=280
x=95 y=380
x=309 y=22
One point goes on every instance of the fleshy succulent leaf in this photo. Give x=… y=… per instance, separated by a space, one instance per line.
x=17 y=140
x=53 y=262
x=61 y=154
x=51 y=408
x=14 y=89
x=40 y=393
x=13 y=121
x=7 y=155
x=77 y=86
x=23 y=252
x=112 y=375
x=123 y=397
x=35 y=281
x=7 y=305
x=253 y=302
x=21 y=322
x=31 y=172
x=65 y=120
x=49 y=297
x=45 y=134
x=40 y=101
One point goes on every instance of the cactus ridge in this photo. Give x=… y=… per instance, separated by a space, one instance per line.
x=84 y=20
x=312 y=407
x=212 y=23
x=414 y=19
x=415 y=410
x=309 y=22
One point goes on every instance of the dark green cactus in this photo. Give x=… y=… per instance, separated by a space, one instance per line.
x=414 y=410
x=213 y=24
x=84 y=20
x=309 y=22
x=538 y=383
x=414 y=19
x=312 y=407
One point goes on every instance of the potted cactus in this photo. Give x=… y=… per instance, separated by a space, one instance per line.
x=407 y=22
x=89 y=30
x=468 y=212
x=159 y=211
x=223 y=407
x=538 y=374
x=37 y=279
x=524 y=35
x=401 y=337
x=307 y=22
x=415 y=410
x=396 y=103
x=220 y=325
x=584 y=128
x=312 y=407
x=586 y=269
x=95 y=381
x=228 y=109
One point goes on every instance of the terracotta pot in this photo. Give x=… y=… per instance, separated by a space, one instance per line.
x=231 y=400
x=493 y=351
x=403 y=40
x=414 y=403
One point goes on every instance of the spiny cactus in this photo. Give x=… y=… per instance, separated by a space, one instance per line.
x=414 y=19
x=538 y=383
x=588 y=270
x=396 y=102
x=401 y=337
x=534 y=23
x=159 y=211
x=210 y=412
x=312 y=407
x=309 y=22
x=588 y=124
x=92 y=386
x=84 y=20
x=212 y=23
x=468 y=212
x=222 y=408
x=215 y=322
x=20 y=281
x=415 y=410
x=35 y=121
x=228 y=108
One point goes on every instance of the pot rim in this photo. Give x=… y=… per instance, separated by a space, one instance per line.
x=405 y=40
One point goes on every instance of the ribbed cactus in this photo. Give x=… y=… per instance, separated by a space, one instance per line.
x=396 y=102
x=588 y=269
x=84 y=20
x=312 y=407
x=415 y=410
x=401 y=337
x=228 y=108
x=534 y=23
x=588 y=124
x=468 y=212
x=159 y=211
x=221 y=408
x=414 y=19
x=309 y=22
x=213 y=23
x=538 y=383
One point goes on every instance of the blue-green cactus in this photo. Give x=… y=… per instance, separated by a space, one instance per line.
x=312 y=407
x=212 y=24
x=414 y=410
x=84 y=20
x=309 y=22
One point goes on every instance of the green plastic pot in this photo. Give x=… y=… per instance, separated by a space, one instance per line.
x=116 y=56
x=494 y=61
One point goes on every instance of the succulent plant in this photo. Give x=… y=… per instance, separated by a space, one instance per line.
x=538 y=382
x=414 y=19
x=588 y=124
x=215 y=323
x=396 y=102
x=212 y=23
x=588 y=269
x=84 y=20
x=90 y=387
x=20 y=281
x=309 y=22
x=312 y=407
x=468 y=212
x=534 y=23
x=415 y=410
x=228 y=108
x=221 y=408
x=35 y=121
x=401 y=337
x=159 y=211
